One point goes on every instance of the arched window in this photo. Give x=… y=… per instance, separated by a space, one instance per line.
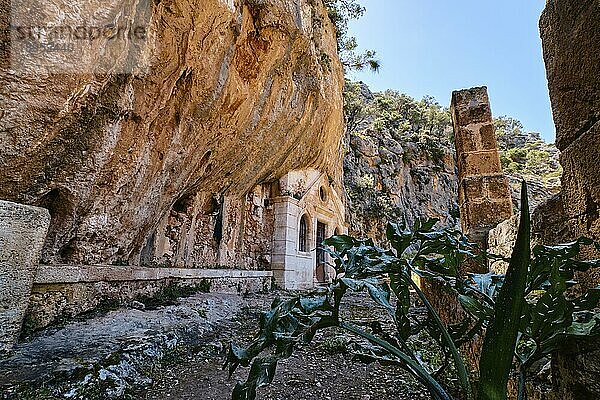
x=323 y=194
x=303 y=234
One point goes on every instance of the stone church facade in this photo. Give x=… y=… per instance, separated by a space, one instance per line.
x=277 y=226
x=307 y=210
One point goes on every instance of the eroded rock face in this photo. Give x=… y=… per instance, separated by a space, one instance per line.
x=571 y=40
x=236 y=93
x=390 y=176
x=387 y=185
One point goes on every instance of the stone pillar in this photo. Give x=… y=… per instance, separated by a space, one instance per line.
x=291 y=268
x=22 y=233
x=483 y=191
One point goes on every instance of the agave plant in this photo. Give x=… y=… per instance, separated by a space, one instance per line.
x=524 y=314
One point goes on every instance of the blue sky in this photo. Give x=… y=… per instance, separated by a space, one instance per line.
x=431 y=47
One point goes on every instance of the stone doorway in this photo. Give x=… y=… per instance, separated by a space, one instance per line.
x=321 y=267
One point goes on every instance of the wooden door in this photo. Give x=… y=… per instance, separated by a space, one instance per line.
x=321 y=267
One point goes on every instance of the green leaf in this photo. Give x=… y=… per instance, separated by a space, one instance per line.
x=411 y=364
x=476 y=308
x=488 y=284
x=551 y=314
x=262 y=371
x=500 y=341
x=380 y=293
x=341 y=243
x=525 y=350
x=557 y=264
x=243 y=392
x=582 y=328
x=352 y=284
x=314 y=303
x=426 y=225
x=400 y=240
x=400 y=287
x=464 y=331
x=378 y=290
x=587 y=301
x=447 y=339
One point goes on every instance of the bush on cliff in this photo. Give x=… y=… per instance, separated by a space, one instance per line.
x=340 y=12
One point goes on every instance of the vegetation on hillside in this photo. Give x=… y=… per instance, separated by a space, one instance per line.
x=397 y=146
x=526 y=153
x=424 y=122
x=429 y=124
x=396 y=164
x=340 y=13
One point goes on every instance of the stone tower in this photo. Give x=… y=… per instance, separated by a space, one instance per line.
x=483 y=191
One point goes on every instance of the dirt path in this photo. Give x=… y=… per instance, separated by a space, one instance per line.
x=320 y=371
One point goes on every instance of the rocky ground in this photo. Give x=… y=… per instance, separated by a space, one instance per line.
x=323 y=370
x=176 y=352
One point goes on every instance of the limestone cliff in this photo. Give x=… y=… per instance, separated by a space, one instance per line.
x=385 y=186
x=400 y=160
x=399 y=163
x=235 y=93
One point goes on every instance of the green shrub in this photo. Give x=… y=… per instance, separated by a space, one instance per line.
x=537 y=161
x=527 y=313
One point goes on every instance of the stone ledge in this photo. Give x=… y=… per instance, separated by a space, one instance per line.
x=120 y=349
x=49 y=274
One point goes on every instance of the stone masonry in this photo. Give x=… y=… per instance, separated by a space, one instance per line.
x=483 y=190
x=309 y=194
x=22 y=233
x=484 y=196
x=570 y=32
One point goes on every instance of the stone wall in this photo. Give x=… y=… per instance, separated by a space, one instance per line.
x=571 y=42
x=208 y=230
x=483 y=191
x=22 y=233
x=63 y=292
x=570 y=33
